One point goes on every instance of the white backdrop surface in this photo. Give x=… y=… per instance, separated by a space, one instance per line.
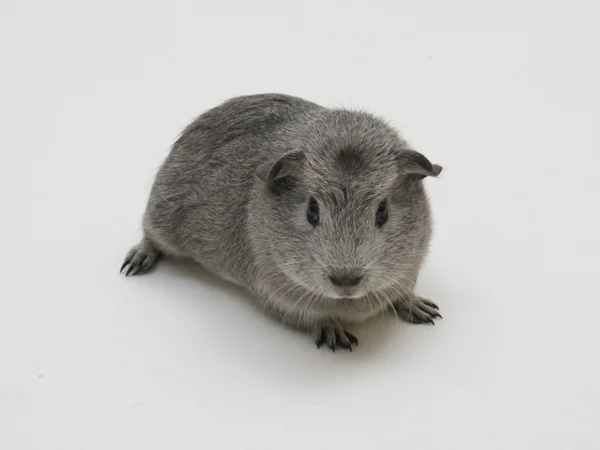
x=506 y=97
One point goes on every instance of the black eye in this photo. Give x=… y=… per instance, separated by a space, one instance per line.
x=381 y=216
x=312 y=213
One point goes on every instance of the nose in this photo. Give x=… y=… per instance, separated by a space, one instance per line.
x=345 y=279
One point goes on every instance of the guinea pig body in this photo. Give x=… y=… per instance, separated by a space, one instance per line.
x=319 y=213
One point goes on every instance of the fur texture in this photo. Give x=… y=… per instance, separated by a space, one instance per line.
x=233 y=195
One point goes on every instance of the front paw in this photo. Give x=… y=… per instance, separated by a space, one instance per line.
x=417 y=310
x=333 y=335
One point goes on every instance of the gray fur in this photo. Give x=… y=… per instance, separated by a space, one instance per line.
x=233 y=193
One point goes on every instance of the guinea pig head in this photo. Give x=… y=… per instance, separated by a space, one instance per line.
x=347 y=218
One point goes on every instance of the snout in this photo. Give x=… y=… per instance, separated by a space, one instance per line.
x=346 y=282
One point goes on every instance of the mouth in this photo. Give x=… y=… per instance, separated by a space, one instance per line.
x=346 y=292
x=334 y=287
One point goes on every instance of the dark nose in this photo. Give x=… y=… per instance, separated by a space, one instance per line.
x=345 y=279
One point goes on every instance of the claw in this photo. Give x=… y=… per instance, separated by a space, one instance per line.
x=430 y=304
x=344 y=342
x=353 y=339
x=321 y=339
x=345 y=345
x=123 y=266
x=130 y=271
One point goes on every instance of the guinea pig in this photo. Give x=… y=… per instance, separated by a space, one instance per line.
x=320 y=214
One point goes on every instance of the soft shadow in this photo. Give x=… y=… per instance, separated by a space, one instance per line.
x=270 y=339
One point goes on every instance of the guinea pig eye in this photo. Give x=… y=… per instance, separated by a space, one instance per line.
x=381 y=216
x=312 y=213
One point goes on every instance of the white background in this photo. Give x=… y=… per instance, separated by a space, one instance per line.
x=505 y=96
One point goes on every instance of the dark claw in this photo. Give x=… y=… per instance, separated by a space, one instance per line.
x=345 y=344
x=437 y=315
x=431 y=304
x=332 y=347
x=321 y=339
x=430 y=320
x=123 y=266
x=353 y=339
x=132 y=270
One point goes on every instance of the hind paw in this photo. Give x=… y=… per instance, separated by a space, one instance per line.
x=140 y=258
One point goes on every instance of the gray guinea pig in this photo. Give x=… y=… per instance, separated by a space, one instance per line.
x=319 y=213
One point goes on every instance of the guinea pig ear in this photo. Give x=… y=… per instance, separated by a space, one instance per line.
x=414 y=163
x=281 y=167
